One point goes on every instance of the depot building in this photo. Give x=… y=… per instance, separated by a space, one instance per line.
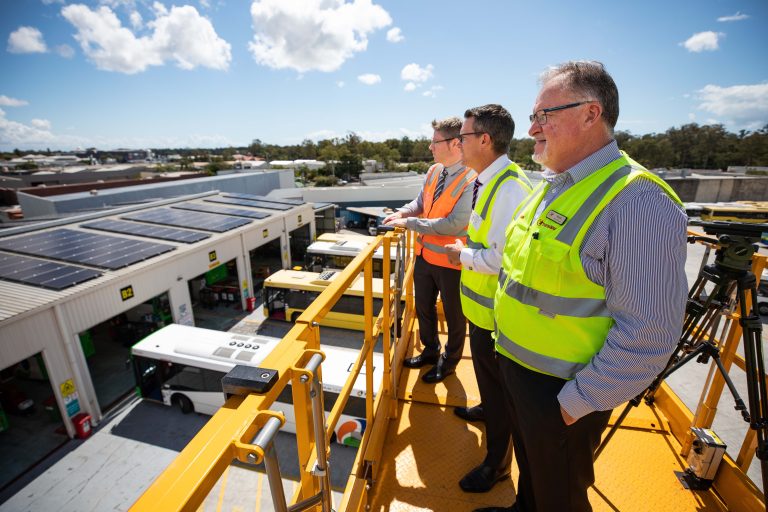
x=77 y=293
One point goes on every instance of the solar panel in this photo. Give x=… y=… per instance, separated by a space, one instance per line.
x=102 y=251
x=46 y=274
x=208 y=208
x=132 y=228
x=246 y=202
x=187 y=219
x=278 y=200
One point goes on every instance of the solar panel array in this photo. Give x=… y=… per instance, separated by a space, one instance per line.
x=252 y=197
x=209 y=208
x=188 y=219
x=101 y=251
x=46 y=274
x=161 y=233
x=246 y=202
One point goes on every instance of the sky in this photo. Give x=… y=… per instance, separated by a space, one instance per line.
x=215 y=73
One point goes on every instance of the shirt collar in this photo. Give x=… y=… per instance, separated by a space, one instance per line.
x=453 y=169
x=590 y=164
x=496 y=166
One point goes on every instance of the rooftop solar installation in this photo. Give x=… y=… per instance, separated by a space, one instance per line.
x=161 y=233
x=103 y=251
x=278 y=200
x=187 y=219
x=46 y=274
x=246 y=202
x=209 y=208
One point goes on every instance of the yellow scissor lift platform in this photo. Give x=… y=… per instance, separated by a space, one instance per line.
x=415 y=450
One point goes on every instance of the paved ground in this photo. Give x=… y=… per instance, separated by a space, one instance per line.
x=129 y=449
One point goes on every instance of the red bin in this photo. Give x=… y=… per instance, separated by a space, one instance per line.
x=250 y=303
x=82 y=423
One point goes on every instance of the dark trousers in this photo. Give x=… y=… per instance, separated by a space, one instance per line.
x=555 y=460
x=495 y=407
x=428 y=280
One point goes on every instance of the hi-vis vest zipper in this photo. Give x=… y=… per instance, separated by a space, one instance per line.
x=432 y=247
x=549 y=316
x=477 y=289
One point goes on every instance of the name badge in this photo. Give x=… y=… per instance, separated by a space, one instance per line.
x=475 y=220
x=556 y=217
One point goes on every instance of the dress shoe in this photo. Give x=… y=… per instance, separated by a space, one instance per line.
x=421 y=360
x=475 y=413
x=439 y=372
x=482 y=478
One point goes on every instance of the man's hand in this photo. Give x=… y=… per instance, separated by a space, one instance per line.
x=388 y=220
x=454 y=250
x=567 y=418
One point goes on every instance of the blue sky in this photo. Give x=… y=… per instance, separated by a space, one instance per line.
x=211 y=73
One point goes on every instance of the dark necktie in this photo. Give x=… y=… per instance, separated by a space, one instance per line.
x=440 y=184
x=474 y=193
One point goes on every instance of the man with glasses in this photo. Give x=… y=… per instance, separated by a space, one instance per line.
x=591 y=292
x=499 y=188
x=439 y=215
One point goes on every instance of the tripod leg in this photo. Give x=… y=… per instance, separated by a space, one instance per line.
x=632 y=403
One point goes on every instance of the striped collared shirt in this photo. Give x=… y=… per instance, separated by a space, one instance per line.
x=636 y=249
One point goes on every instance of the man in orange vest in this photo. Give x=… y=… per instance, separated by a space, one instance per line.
x=439 y=215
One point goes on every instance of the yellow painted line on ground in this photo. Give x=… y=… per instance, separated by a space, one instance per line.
x=259 y=485
x=223 y=489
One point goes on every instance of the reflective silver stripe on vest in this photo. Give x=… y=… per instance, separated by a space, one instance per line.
x=436 y=248
x=557 y=367
x=571 y=229
x=507 y=174
x=431 y=177
x=554 y=305
x=486 y=302
x=459 y=188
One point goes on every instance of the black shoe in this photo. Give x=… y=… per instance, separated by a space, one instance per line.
x=482 y=478
x=421 y=360
x=475 y=413
x=440 y=371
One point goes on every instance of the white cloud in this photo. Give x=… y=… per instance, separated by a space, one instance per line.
x=181 y=35
x=323 y=135
x=64 y=50
x=49 y=2
x=340 y=83
x=26 y=40
x=745 y=106
x=410 y=86
x=432 y=91
x=307 y=35
x=691 y=116
x=394 y=35
x=6 y=101
x=41 y=124
x=733 y=17
x=703 y=41
x=369 y=79
x=415 y=73
x=205 y=3
x=136 y=20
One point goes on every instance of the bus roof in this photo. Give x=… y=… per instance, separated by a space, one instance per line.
x=347 y=248
x=311 y=281
x=334 y=237
x=221 y=351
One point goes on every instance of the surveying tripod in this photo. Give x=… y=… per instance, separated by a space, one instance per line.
x=731 y=271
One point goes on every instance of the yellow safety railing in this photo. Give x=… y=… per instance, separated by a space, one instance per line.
x=230 y=434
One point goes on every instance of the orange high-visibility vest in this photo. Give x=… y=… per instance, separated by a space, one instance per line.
x=431 y=247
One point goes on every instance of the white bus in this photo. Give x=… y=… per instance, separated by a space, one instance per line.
x=182 y=366
x=337 y=254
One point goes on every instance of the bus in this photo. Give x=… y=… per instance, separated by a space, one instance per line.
x=740 y=211
x=323 y=255
x=287 y=293
x=182 y=366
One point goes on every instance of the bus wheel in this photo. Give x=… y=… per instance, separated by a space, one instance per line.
x=183 y=403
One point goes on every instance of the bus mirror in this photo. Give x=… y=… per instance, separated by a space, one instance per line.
x=243 y=380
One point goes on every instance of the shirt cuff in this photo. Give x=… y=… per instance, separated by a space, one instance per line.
x=571 y=400
x=466 y=257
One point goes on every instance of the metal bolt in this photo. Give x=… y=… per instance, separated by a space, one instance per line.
x=252 y=457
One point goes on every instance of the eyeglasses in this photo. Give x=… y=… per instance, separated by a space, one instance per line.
x=442 y=140
x=541 y=115
x=462 y=135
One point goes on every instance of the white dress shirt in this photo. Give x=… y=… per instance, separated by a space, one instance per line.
x=508 y=196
